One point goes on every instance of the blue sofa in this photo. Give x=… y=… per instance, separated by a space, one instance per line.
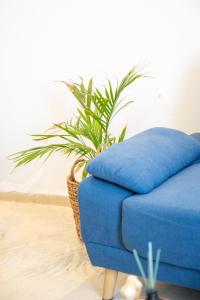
x=145 y=189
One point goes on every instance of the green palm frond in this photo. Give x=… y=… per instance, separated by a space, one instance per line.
x=122 y=135
x=89 y=132
x=110 y=103
x=26 y=156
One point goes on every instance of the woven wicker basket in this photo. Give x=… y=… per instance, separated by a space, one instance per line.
x=72 y=185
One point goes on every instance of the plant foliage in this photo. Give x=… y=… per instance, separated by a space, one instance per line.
x=89 y=132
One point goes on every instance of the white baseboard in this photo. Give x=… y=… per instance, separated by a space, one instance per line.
x=35 y=198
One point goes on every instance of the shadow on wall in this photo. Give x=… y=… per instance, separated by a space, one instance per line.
x=188 y=111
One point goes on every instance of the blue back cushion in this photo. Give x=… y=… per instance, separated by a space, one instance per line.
x=196 y=136
x=144 y=161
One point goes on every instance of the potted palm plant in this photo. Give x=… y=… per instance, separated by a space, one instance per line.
x=87 y=134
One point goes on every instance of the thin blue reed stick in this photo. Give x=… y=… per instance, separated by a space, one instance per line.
x=157 y=263
x=151 y=284
x=140 y=266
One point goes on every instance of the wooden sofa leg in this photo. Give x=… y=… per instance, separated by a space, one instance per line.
x=110 y=279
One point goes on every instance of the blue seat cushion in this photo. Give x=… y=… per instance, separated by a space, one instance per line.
x=169 y=217
x=144 y=161
x=100 y=205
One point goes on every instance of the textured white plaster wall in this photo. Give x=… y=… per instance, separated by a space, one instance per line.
x=43 y=41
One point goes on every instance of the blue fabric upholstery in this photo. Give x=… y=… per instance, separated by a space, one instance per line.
x=115 y=220
x=169 y=216
x=144 y=161
x=100 y=205
x=196 y=136
x=123 y=261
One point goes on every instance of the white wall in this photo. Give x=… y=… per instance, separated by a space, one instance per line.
x=47 y=40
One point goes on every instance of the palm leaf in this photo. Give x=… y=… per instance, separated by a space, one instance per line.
x=89 y=132
x=122 y=135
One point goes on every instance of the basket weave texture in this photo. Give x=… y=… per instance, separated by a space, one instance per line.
x=72 y=185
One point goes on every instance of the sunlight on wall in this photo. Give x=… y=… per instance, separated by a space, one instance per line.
x=44 y=41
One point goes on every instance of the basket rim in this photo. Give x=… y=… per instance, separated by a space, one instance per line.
x=71 y=174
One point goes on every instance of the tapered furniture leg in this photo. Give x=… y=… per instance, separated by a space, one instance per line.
x=110 y=279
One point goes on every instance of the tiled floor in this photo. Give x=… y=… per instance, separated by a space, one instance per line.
x=41 y=258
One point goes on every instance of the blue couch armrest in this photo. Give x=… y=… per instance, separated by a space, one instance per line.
x=100 y=204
